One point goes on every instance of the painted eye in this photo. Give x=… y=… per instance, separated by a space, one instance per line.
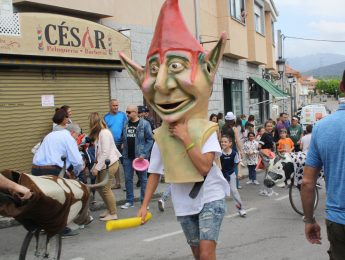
x=154 y=68
x=176 y=67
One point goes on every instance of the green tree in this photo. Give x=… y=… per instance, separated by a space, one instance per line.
x=330 y=87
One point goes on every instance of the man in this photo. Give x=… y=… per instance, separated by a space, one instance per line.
x=177 y=84
x=140 y=111
x=137 y=143
x=47 y=159
x=115 y=121
x=327 y=150
x=146 y=116
x=296 y=133
x=282 y=123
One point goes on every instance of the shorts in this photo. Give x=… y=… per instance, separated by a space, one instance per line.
x=336 y=237
x=205 y=225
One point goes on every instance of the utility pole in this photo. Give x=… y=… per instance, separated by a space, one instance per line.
x=197 y=19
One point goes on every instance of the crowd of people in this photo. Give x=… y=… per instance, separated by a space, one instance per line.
x=125 y=136
x=281 y=135
x=119 y=136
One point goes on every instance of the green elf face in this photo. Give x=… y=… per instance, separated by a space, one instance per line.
x=177 y=86
x=177 y=83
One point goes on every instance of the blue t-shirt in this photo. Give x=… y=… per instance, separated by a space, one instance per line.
x=115 y=124
x=327 y=149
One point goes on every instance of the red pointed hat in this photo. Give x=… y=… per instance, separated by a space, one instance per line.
x=171 y=32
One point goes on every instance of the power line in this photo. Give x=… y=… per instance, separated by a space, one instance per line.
x=310 y=39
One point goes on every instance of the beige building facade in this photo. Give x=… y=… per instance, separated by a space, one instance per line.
x=250 y=48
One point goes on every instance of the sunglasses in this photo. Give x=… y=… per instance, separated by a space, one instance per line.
x=128 y=112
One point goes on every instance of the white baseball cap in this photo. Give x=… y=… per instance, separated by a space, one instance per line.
x=230 y=116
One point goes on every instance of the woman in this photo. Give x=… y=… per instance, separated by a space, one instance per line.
x=251 y=120
x=214 y=118
x=60 y=119
x=68 y=110
x=266 y=147
x=221 y=122
x=105 y=148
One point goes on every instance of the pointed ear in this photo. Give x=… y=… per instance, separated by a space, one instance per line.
x=134 y=70
x=213 y=58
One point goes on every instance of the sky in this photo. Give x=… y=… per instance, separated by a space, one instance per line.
x=318 y=19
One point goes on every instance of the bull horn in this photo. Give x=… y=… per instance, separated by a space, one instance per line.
x=105 y=180
x=63 y=170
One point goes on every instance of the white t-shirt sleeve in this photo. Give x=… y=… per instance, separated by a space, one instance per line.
x=212 y=145
x=237 y=158
x=156 y=161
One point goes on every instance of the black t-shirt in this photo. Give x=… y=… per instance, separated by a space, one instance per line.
x=228 y=164
x=267 y=140
x=131 y=133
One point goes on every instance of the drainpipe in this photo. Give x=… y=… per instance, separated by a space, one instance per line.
x=197 y=19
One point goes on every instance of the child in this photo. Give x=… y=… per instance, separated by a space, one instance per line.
x=229 y=161
x=259 y=133
x=251 y=151
x=285 y=144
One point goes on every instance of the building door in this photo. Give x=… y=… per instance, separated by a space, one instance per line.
x=233 y=100
x=24 y=118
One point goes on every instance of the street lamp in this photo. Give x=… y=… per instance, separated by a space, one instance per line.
x=280 y=66
x=290 y=81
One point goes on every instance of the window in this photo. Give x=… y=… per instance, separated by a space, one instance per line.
x=236 y=91
x=273 y=36
x=233 y=96
x=237 y=10
x=259 y=18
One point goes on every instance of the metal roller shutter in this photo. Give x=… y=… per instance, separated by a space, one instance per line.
x=24 y=121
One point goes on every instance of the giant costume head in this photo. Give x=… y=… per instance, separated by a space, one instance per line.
x=177 y=83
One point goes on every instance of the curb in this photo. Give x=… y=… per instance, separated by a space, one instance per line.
x=6 y=222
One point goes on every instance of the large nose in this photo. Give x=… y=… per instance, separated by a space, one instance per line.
x=164 y=84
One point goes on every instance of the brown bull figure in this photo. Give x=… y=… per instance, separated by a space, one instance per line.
x=55 y=202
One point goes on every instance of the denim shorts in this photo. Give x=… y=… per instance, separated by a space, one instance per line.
x=205 y=225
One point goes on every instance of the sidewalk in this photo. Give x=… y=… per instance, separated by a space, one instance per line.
x=120 y=197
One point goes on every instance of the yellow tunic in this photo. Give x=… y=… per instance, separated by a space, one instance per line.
x=178 y=167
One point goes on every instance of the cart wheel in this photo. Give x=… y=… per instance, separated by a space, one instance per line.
x=295 y=198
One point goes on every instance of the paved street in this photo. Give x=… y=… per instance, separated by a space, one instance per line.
x=271 y=231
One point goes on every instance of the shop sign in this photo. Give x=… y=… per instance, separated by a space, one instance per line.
x=44 y=34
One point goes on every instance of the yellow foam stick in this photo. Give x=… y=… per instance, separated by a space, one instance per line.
x=114 y=225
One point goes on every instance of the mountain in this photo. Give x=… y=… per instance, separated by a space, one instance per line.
x=331 y=71
x=315 y=61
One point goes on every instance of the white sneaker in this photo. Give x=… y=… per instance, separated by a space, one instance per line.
x=127 y=205
x=256 y=182
x=161 y=205
x=242 y=213
x=269 y=194
x=249 y=182
x=263 y=193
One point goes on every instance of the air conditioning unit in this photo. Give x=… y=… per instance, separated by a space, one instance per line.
x=9 y=22
x=6 y=7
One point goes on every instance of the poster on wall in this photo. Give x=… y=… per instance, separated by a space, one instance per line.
x=47 y=101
